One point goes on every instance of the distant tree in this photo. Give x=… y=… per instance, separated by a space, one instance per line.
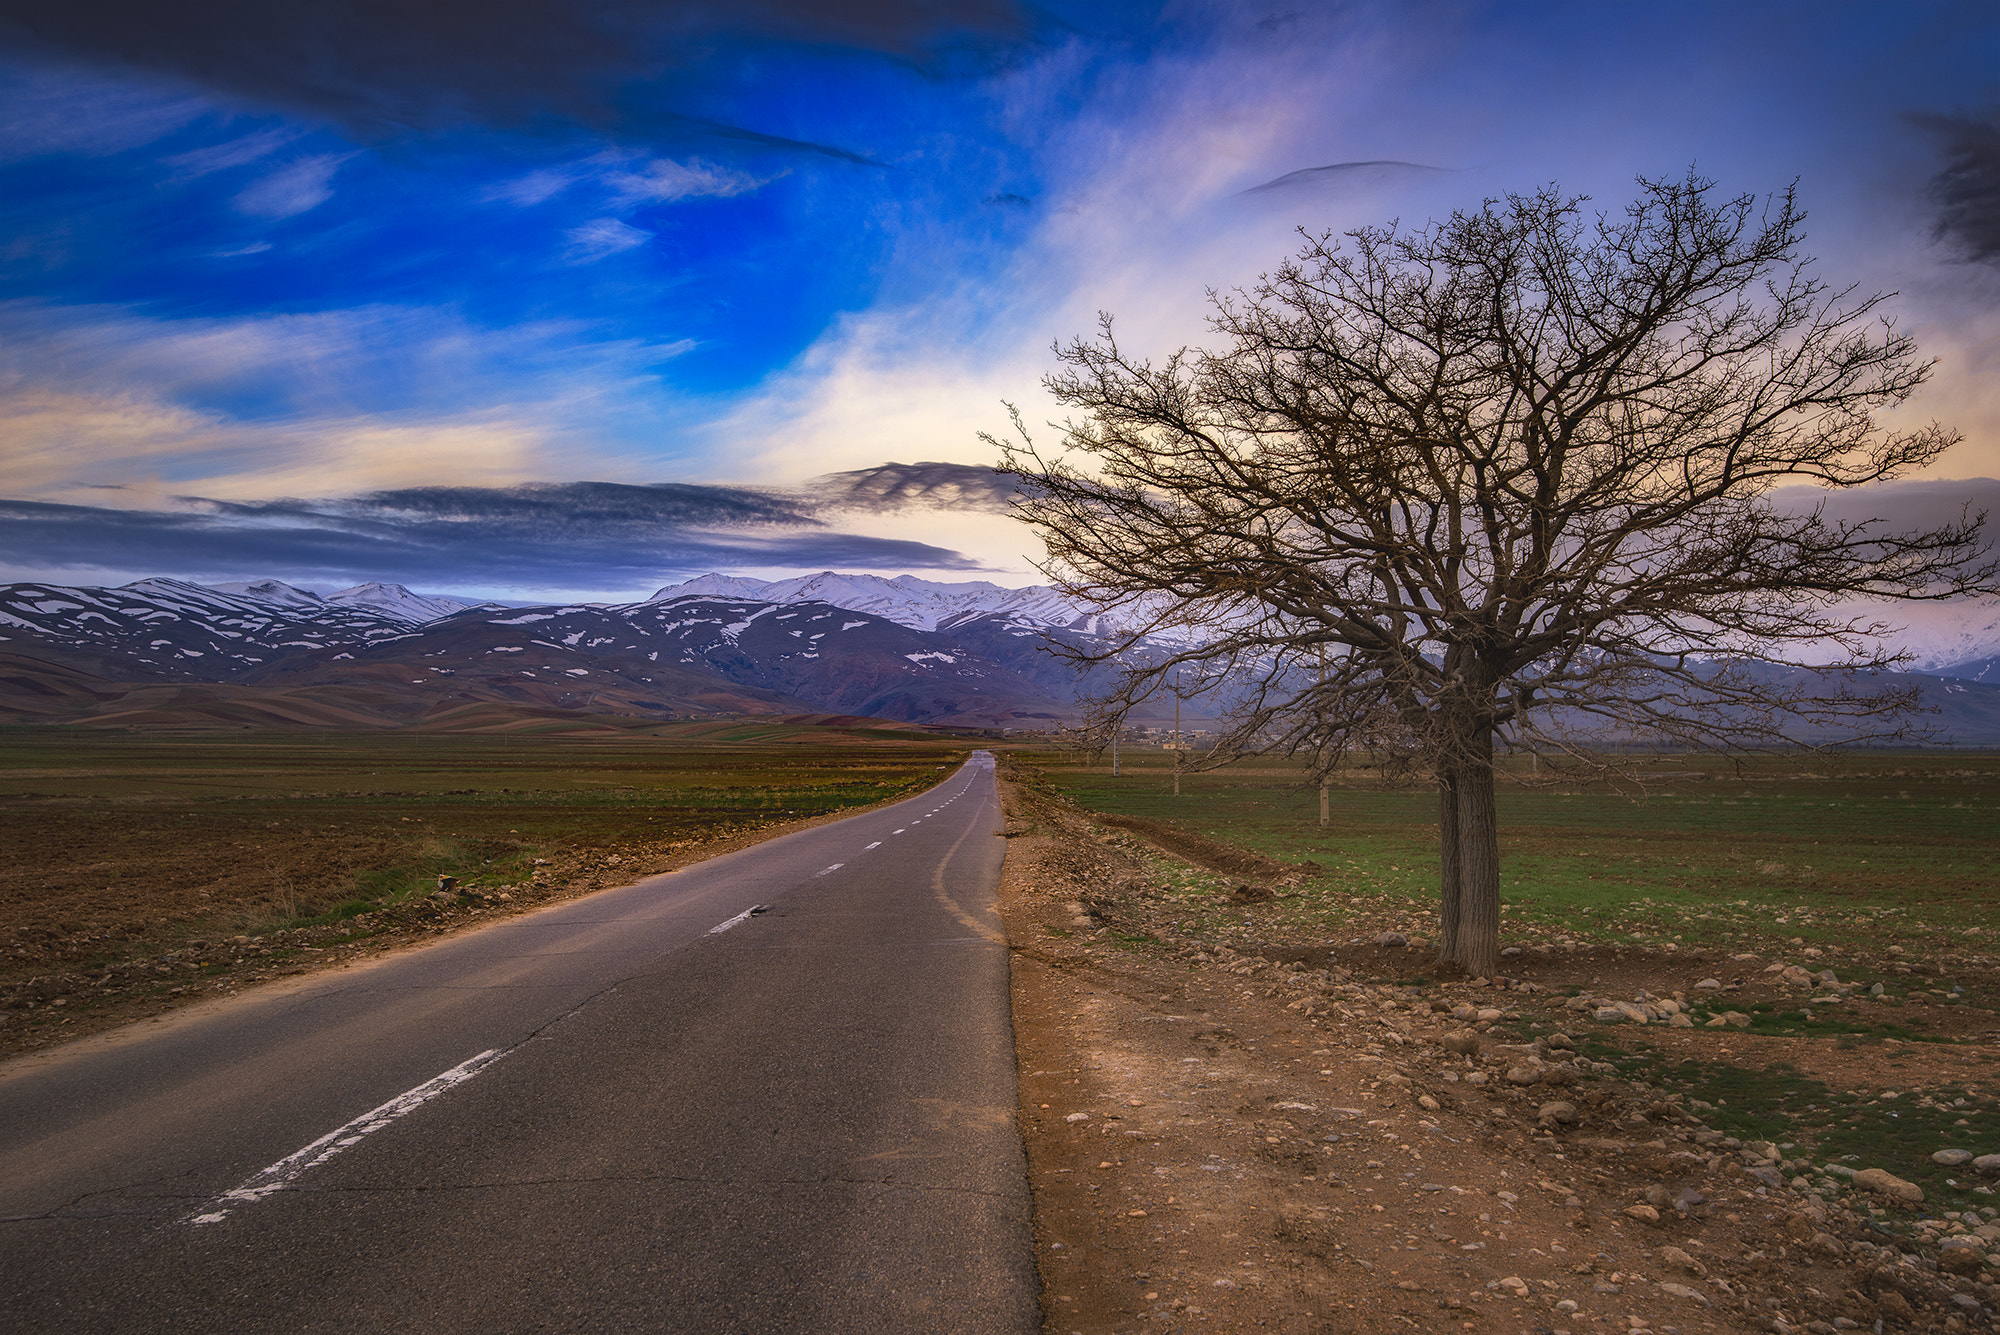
x=1503 y=480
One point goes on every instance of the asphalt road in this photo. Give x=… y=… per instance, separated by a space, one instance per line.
x=645 y=1110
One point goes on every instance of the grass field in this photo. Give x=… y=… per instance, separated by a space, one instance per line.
x=1839 y=848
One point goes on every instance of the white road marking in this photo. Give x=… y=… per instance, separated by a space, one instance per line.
x=835 y=867
x=895 y=832
x=290 y=1168
x=876 y=844
x=744 y=916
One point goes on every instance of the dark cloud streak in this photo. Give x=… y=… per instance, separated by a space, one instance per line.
x=901 y=486
x=1966 y=189
x=587 y=535
x=1337 y=173
x=380 y=68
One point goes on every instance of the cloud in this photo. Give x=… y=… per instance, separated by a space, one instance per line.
x=1901 y=507
x=383 y=70
x=899 y=486
x=600 y=237
x=236 y=152
x=326 y=403
x=1966 y=189
x=1339 y=175
x=552 y=539
x=663 y=180
x=293 y=189
x=59 y=111
x=537 y=187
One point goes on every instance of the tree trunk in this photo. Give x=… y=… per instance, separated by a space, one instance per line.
x=1447 y=781
x=1478 y=939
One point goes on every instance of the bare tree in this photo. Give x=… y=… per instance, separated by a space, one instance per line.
x=1503 y=478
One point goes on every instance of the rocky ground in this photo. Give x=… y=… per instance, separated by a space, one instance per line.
x=1271 y=1133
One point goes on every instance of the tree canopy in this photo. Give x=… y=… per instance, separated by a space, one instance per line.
x=1503 y=478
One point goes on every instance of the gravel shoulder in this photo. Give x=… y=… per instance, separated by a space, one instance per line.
x=1279 y=1135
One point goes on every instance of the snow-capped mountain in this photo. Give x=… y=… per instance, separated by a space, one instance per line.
x=650 y=656
x=394 y=600
x=186 y=629
x=1942 y=636
x=919 y=603
x=390 y=599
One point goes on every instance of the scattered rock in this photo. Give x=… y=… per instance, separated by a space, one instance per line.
x=1710 y=984
x=1882 y=1182
x=1683 y=1291
x=1462 y=1041
x=1559 y=1113
x=1987 y=1163
x=1961 y=1256
x=1392 y=939
x=1952 y=1158
x=1681 y=1261
x=1644 y=1213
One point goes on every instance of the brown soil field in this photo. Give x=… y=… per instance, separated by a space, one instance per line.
x=142 y=873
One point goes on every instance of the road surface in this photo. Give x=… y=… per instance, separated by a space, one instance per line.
x=651 y=1109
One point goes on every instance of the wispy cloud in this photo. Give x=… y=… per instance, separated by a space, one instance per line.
x=663 y=180
x=292 y=189
x=600 y=237
x=52 y=111
x=238 y=152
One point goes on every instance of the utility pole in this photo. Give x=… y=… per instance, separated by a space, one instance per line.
x=1325 y=798
x=1179 y=745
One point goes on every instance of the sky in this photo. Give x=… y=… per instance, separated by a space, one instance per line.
x=569 y=299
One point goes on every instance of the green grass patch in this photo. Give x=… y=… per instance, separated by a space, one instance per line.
x=1888 y=1126
x=1850 y=849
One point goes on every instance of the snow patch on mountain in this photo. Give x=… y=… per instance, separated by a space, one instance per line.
x=394 y=600
x=271 y=591
x=921 y=604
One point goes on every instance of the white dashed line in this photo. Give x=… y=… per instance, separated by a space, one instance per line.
x=288 y=1169
x=895 y=832
x=835 y=867
x=741 y=917
x=876 y=844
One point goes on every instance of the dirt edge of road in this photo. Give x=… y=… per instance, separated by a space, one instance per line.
x=1225 y=1140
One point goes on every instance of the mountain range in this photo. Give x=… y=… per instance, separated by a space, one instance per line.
x=264 y=652
x=166 y=652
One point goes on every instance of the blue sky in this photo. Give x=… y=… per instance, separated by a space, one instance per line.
x=355 y=291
